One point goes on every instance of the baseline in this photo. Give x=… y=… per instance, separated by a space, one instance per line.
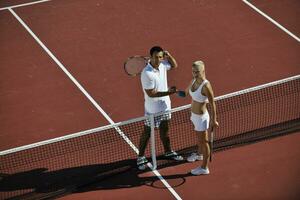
x=24 y=4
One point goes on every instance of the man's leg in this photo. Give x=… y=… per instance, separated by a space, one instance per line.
x=164 y=136
x=141 y=160
x=144 y=140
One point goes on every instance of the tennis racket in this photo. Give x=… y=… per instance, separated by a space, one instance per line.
x=211 y=142
x=134 y=65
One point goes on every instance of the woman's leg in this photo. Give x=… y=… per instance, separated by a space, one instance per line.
x=199 y=144
x=204 y=145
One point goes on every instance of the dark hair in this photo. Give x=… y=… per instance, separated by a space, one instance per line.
x=155 y=49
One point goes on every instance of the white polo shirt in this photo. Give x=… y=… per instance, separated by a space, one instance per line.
x=152 y=78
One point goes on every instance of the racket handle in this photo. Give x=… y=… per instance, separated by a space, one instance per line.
x=210 y=156
x=211 y=144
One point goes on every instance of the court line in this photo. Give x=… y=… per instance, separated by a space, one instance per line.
x=272 y=20
x=24 y=4
x=62 y=67
x=172 y=191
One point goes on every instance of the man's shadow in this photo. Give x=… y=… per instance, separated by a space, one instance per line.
x=135 y=178
x=42 y=182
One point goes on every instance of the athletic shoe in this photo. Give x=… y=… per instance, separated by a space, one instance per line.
x=199 y=171
x=141 y=162
x=194 y=156
x=173 y=155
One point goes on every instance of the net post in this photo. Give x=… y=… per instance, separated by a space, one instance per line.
x=152 y=142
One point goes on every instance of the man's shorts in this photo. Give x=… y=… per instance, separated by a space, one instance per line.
x=163 y=116
x=201 y=122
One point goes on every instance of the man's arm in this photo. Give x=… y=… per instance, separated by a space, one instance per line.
x=170 y=59
x=154 y=93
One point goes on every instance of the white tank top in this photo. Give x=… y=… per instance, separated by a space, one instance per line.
x=197 y=95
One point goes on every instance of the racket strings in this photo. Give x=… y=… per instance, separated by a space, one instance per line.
x=135 y=65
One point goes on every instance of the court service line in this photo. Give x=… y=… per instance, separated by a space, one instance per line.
x=272 y=20
x=172 y=191
x=24 y=4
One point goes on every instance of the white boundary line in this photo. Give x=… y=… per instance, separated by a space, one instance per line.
x=165 y=183
x=62 y=67
x=24 y=4
x=173 y=192
x=272 y=20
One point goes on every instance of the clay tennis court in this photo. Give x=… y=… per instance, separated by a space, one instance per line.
x=62 y=72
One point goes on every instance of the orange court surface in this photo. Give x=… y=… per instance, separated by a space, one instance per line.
x=61 y=72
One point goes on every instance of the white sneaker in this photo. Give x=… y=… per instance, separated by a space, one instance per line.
x=199 y=171
x=141 y=162
x=194 y=156
x=173 y=155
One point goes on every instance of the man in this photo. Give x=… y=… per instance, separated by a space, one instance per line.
x=156 y=93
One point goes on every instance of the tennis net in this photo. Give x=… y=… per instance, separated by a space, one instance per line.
x=245 y=116
x=61 y=165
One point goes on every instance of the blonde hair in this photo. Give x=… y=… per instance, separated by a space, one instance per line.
x=199 y=64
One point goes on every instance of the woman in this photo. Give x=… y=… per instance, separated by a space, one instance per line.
x=202 y=93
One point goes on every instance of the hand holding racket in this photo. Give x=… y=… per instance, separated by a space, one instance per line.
x=211 y=139
x=134 y=65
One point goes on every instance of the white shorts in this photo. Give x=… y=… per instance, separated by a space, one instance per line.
x=164 y=116
x=201 y=122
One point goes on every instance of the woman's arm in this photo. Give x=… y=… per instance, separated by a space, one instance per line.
x=208 y=91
